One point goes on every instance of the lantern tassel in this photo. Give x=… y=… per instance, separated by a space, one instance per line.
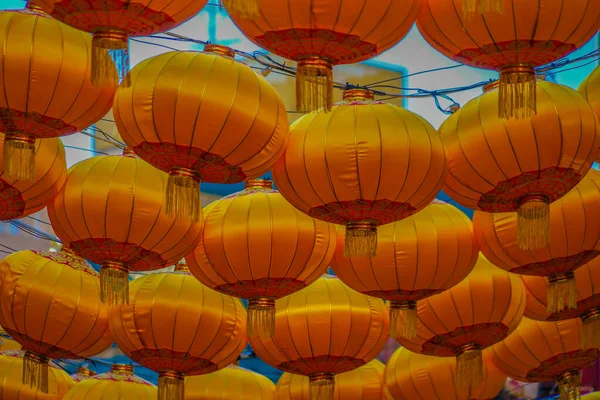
x=35 y=371
x=19 y=157
x=533 y=222
x=361 y=239
x=562 y=292
x=183 y=195
x=314 y=84
x=114 y=283
x=171 y=386
x=590 y=336
x=481 y=7
x=517 y=92
x=261 y=318
x=321 y=387
x=403 y=319
x=103 y=67
x=245 y=9
x=469 y=366
x=569 y=386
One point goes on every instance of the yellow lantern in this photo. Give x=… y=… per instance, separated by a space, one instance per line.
x=6 y=342
x=232 y=382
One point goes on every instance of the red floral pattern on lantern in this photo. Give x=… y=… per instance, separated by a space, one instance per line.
x=338 y=48
x=21 y=354
x=209 y=167
x=132 y=18
x=321 y=364
x=12 y=204
x=498 y=55
x=40 y=347
x=448 y=344
x=403 y=295
x=551 y=182
x=551 y=368
x=380 y=212
x=121 y=376
x=271 y=288
x=67 y=257
x=558 y=265
x=167 y=360
x=33 y=123
x=102 y=250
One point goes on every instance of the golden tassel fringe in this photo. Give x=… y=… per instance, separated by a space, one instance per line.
x=103 y=67
x=321 y=387
x=19 y=157
x=261 y=318
x=314 y=85
x=360 y=239
x=183 y=196
x=171 y=386
x=533 y=223
x=569 y=386
x=590 y=336
x=481 y=7
x=114 y=284
x=562 y=293
x=403 y=319
x=517 y=93
x=35 y=371
x=469 y=367
x=245 y=9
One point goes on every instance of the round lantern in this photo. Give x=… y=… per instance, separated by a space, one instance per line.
x=497 y=166
x=525 y=36
x=320 y=36
x=82 y=374
x=417 y=257
x=6 y=342
x=545 y=351
x=256 y=245
x=574 y=240
x=118 y=384
x=323 y=330
x=42 y=57
x=591 y=396
x=413 y=376
x=112 y=213
x=364 y=383
x=12 y=368
x=461 y=322
x=364 y=164
x=232 y=130
x=232 y=382
x=50 y=304
x=590 y=89
x=178 y=327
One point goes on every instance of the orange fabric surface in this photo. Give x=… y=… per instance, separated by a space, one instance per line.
x=231 y=383
x=590 y=89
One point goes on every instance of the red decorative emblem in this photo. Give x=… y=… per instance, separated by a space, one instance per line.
x=321 y=364
x=551 y=368
x=12 y=204
x=34 y=124
x=166 y=360
x=403 y=295
x=102 y=250
x=558 y=265
x=379 y=211
x=448 y=344
x=266 y=287
x=68 y=258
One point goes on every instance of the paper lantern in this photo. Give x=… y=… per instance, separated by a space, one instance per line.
x=232 y=130
x=42 y=57
x=50 y=304
x=514 y=42
x=413 y=376
x=256 y=245
x=6 y=342
x=364 y=383
x=545 y=351
x=232 y=382
x=465 y=320
x=590 y=89
x=82 y=374
x=365 y=164
x=178 y=327
x=417 y=257
x=574 y=241
x=112 y=213
x=320 y=36
x=323 y=330
x=497 y=166
x=118 y=384
x=12 y=369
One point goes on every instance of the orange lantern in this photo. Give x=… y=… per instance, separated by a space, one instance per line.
x=590 y=89
x=178 y=327
x=364 y=383
x=323 y=330
x=19 y=198
x=50 y=304
x=319 y=36
x=463 y=321
x=42 y=57
x=256 y=245
x=413 y=376
x=232 y=382
x=365 y=164
x=545 y=351
x=496 y=166
x=525 y=36
x=111 y=212
x=574 y=240
x=232 y=130
x=408 y=264
x=82 y=374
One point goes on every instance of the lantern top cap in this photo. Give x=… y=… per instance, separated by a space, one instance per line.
x=358 y=94
x=85 y=371
x=122 y=368
x=181 y=266
x=490 y=86
x=220 y=50
x=259 y=184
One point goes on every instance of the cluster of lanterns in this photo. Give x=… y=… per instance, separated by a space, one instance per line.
x=356 y=185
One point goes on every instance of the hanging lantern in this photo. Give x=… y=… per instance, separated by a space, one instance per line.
x=546 y=351
x=118 y=384
x=590 y=89
x=113 y=22
x=12 y=368
x=465 y=320
x=365 y=164
x=413 y=376
x=364 y=383
x=232 y=382
x=6 y=342
x=417 y=257
x=513 y=43
x=320 y=36
x=232 y=130
x=323 y=330
x=574 y=241
x=82 y=374
x=111 y=212
x=497 y=166
x=256 y=245
x=178 y=327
